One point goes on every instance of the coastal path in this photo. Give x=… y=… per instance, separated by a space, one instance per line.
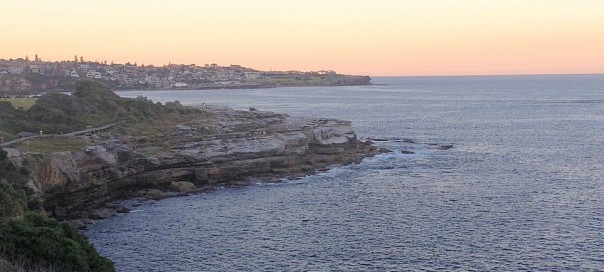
x=75 y=133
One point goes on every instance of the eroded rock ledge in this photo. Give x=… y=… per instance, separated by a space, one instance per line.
x=225 y=147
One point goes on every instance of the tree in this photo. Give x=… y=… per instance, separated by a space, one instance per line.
x=75 y=58
x=81 y=59
x=36 y=59
x=13 y=200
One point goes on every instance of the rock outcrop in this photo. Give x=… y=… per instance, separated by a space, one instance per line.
x=227 y=147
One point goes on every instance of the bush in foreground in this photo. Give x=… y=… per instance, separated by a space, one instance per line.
x=30 y=240
x=39 y=241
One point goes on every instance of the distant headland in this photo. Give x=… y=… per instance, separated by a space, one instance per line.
x=23 y=76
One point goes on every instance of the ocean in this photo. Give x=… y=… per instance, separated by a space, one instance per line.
x=521 y=189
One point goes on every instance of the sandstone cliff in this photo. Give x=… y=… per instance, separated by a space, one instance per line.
x=226 y=146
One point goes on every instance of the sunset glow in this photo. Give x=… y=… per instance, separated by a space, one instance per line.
x=388 y=37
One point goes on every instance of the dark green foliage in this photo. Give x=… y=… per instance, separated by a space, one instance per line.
x=40 y=241
x=92 y=103
x=6 y=166
x=94 y=92
x=13 y=192
x=32 y=239
x=13 y=200
x=10 y=118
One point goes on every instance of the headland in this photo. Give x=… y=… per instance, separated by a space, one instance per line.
x=19 y=77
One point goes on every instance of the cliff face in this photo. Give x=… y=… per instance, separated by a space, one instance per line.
x=228 y=146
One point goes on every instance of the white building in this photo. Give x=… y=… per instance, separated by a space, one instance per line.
x=34 y=69
x=94 y=74
x=252 y=75
x=153 y=81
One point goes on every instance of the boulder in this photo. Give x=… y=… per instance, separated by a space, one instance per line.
x=154 y=194
x=100 y=213
x=328 y=150
x=122 y=209
x=445 y=147
x=77 y=223
x=182 y=186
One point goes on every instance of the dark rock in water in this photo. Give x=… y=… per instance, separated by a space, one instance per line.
x=409 y=141
x=100 y=213
x=111 y=205
x=445 y=147
x=122 y=210
x=329 y=150
x=139 y=193
x=380 y=140
x=407 y=152
x=77 y=223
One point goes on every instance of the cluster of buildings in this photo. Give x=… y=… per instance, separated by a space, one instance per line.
x=130 y=76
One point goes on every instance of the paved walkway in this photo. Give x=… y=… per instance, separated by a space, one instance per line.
x=75 y=133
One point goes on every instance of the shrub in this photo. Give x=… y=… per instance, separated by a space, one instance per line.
x=39 y=241
x=34 y=240
x=13 y=201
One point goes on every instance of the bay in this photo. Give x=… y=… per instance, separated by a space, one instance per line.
x=521 y=189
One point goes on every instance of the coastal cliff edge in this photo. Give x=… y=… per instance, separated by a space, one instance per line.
x=221 y=146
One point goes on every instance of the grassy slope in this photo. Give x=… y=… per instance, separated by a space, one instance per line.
x=25 y=103
x=52 y=144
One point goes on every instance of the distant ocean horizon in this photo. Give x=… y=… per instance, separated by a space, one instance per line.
x=485 y=75
x=521 y=189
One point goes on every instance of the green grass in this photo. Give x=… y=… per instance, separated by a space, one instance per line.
x=48 y=145
x=25 y=103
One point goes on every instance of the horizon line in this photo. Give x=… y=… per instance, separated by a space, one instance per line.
x=494 y=75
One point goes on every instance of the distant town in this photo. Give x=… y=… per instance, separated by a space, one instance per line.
x=25 y=76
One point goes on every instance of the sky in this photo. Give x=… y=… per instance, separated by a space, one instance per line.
x=365 y=37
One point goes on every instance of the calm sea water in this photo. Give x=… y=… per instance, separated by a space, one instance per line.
x=522 y=189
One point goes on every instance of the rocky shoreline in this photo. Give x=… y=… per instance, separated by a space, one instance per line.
x=224 y=148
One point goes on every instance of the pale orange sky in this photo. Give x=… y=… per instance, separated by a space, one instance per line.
x=374 y=37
